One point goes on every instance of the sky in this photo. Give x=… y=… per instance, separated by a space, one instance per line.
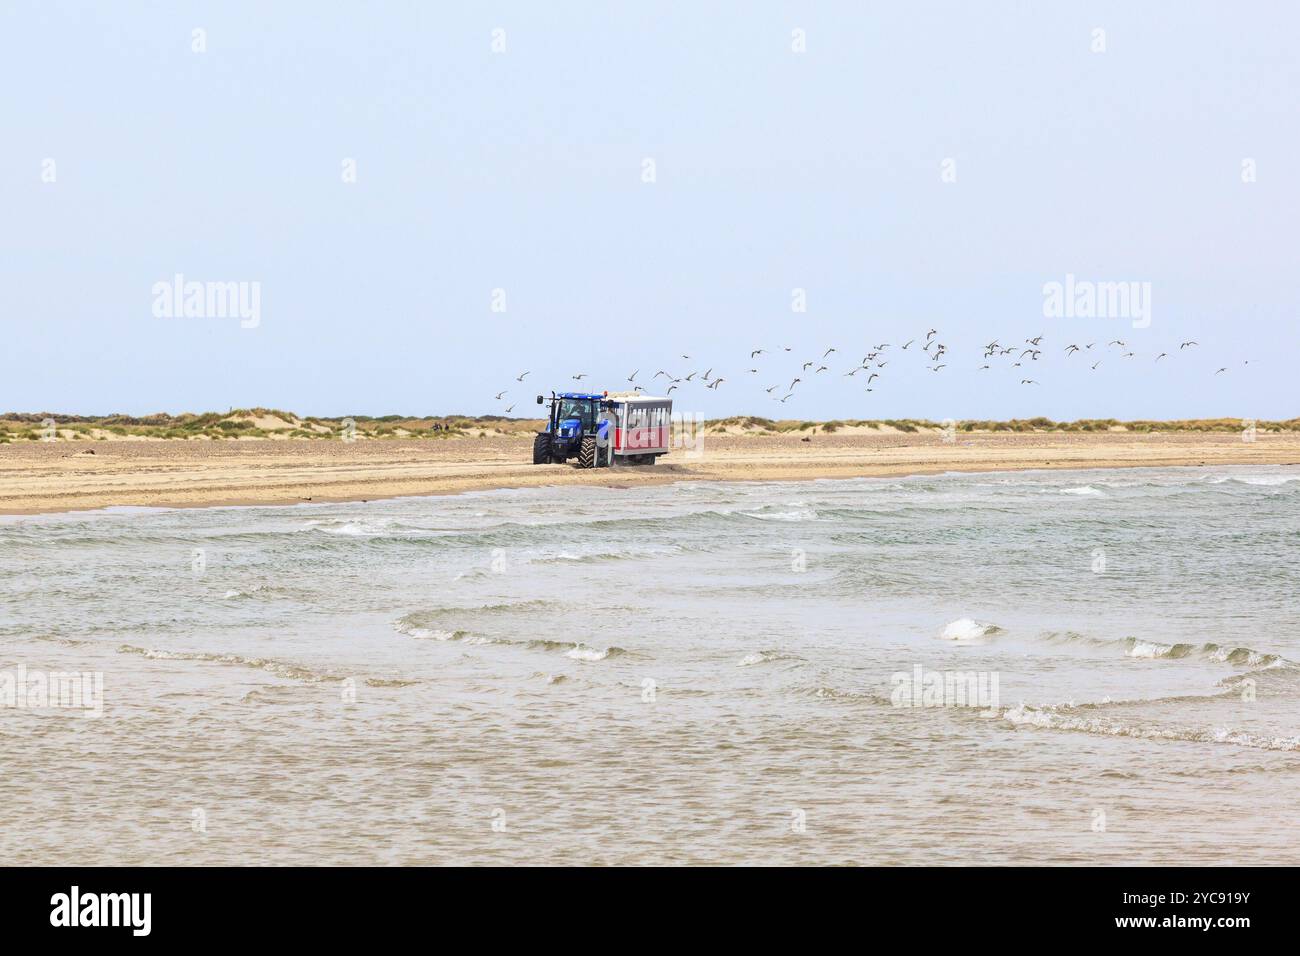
x=431 y=199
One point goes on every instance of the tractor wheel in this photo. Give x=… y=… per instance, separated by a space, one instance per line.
x=541 y=449
x=587 y=453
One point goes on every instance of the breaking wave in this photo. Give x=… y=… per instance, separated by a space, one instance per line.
x=1052 y=719
x=968 y=629
x=420 y=626
x=1240 y=656
x=766 y=657
x=278 y=668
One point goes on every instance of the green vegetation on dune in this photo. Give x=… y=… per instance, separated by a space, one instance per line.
x=265 y=423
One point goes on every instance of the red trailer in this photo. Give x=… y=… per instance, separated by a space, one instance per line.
x=642 y=427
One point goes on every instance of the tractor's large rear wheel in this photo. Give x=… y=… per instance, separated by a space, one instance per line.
x=541 y=449
x=587 y=453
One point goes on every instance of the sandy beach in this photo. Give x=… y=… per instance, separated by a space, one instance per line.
x=69 y=476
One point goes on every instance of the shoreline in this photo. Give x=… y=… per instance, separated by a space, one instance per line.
x=61 y=478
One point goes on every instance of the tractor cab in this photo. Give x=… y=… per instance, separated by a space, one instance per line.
x=574 y=415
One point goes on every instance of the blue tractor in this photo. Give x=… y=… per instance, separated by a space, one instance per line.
x=576 y=428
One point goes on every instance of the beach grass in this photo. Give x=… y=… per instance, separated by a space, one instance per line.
x=269 y=423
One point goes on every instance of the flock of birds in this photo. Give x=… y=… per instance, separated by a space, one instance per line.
x=996 y=356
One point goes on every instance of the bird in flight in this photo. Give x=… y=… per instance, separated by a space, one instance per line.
x=1027 y=381
x=1187 y=345
x=633 y=375
x=510 y=409
x=579 y=377
x=1161 y=355
x=755 y=353
x=827 y=352
x=499 y=394
x=521 y=377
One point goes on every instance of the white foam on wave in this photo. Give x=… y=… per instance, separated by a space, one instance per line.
x=1149 y=650
x=797 y=511
x=584 y=653
x=1259 y=481
x=373 y=528
x=968 y=629
x=1082 y=490
x=1046 y=719
x=764 y=657
x=256 y=589
x=348 y=529
x=1246 y=657
x=425 y=633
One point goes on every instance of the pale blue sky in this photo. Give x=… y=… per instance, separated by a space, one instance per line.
x=523 y=170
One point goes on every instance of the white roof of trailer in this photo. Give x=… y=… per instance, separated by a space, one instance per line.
x=636 y=397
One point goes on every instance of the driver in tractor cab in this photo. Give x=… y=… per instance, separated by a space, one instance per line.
x=580 y=409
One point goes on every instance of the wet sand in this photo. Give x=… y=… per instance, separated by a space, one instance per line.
x=66 y=476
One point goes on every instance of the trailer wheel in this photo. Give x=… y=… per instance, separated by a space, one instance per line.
x=587 y=453
x=541 y=449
